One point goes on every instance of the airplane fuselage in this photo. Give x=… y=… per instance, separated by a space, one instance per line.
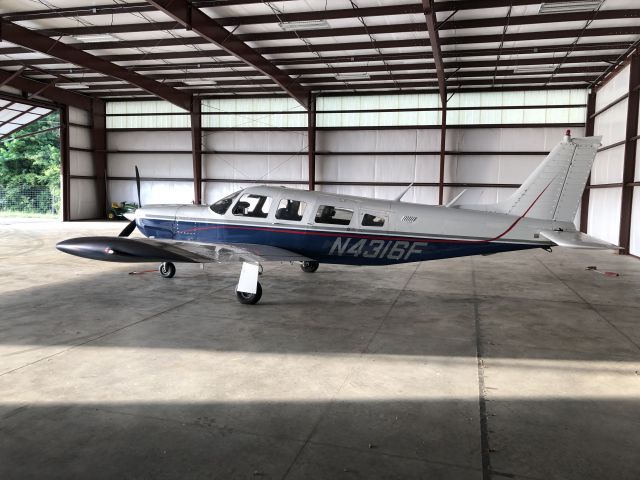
x=399 y=232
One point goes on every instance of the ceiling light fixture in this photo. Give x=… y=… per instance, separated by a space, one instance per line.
x=200 y=82
x=72 y=86
x=570 y=6
x=95 y=37
x=303 y=25
x=352 y=76
x=533 y=69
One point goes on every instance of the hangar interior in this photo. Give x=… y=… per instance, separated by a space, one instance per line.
x=519 y=365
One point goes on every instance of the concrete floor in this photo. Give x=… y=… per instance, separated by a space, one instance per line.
x=519 y=365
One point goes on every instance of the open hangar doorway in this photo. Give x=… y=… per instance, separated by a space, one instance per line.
x=30 y=159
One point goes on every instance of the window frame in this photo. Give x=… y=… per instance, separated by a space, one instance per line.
x=289 y=199
x=349 y=208
x=232 y=199
x=263 y=216
x=383 y=215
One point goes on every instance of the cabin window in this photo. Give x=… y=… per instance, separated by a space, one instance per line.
x=369 y=220
x=252 y=205
x=222 y=205
x=291 y=210
x=333 y=215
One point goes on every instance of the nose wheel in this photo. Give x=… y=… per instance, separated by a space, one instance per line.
x=250 y=298
x=167 y=270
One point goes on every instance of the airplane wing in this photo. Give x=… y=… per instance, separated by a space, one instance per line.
x=124 y=249
x=576 y=240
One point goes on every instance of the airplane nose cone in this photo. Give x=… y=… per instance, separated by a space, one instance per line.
x=72 y=246
x=65 y=246
x=96 y=248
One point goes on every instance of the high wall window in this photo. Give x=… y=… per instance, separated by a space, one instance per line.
x=473 y=108
x=464 y=108
x=253 y=113
x=146 y=114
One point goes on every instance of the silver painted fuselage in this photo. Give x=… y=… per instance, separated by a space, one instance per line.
x=411 y=232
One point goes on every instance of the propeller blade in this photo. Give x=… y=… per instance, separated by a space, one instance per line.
x=138 y=186
x=131 y=226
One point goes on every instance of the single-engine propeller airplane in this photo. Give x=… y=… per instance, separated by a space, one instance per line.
x=263 y=223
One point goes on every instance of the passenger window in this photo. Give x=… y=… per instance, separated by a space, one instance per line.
x=222 y=205
x=369 y=220
x=333 y=215
x=251 y=205
x=291 y=210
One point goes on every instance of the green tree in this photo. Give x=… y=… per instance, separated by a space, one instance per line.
x=30 y=167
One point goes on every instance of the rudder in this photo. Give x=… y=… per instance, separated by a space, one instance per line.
x=554 y=189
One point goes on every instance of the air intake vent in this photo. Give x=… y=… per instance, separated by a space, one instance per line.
x=409 y=219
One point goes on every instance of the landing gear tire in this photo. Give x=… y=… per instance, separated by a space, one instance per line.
x=309 y=267
x=250 y=298
x=167 y=270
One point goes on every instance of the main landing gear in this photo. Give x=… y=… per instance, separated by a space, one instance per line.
x=167 y=269
x=310 y=266
x=249 y=290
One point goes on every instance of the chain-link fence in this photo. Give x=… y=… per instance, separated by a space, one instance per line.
x=29 y=200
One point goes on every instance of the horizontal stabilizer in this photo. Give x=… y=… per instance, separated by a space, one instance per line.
x=576 y=240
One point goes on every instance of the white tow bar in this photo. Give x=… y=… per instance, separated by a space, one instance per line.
x=248 y=282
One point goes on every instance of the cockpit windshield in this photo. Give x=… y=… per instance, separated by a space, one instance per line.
x=222 y=205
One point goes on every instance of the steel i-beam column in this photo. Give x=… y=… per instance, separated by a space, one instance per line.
x=443 y=146
x=429 y=7
x=629 y=168
x=588 y=131
x=99 y=142
x=196 y=149
x=64 y=162
x=311 y=139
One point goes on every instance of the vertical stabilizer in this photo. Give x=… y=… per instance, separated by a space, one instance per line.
x=553 y=190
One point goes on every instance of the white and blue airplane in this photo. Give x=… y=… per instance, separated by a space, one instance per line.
x=263 y=223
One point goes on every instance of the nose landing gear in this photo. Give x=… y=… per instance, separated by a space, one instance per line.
x=247 y=298
x=167 y=269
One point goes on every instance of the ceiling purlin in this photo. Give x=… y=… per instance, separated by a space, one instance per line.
x=478 y=75
x=193 y=68
x=39 y=43
x=325 y=47
x=306 y=72
x=454 y=40
x=208 y=28
x=551 y=49
x=565 y=82
x=111 y=9
x=336 y=32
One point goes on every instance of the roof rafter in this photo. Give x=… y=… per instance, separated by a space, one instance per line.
x=208 y=28
x=33 y=41
x=42 y=89
x=436 y=49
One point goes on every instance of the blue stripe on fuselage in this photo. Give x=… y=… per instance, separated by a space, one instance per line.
x=339 y=247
